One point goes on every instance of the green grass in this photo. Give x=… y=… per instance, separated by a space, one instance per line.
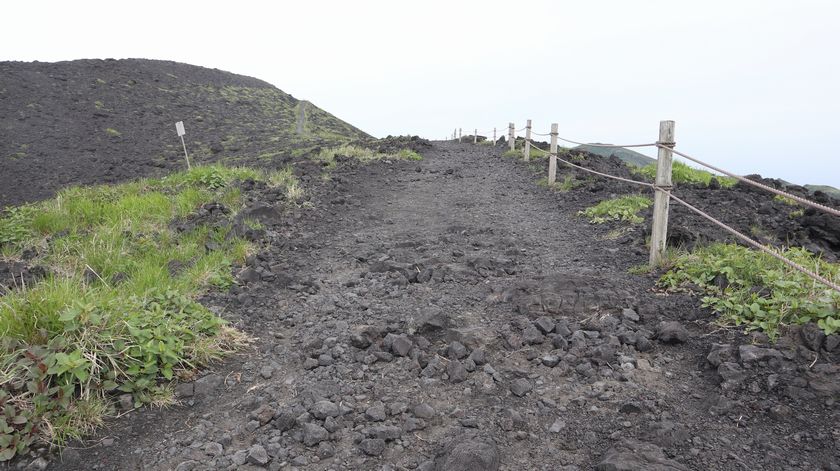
x=112 y=317
x=753 y=289
x=567 y=183
x=536 y=152
x=363 y=154
x=624 y=208
x=512 y=153
x=683 y=173
x=112 y=132
x=286 y=178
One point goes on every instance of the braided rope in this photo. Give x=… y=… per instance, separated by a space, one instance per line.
x=768 y=250
x=538 y=134
x=654 y=144
x=754 y=183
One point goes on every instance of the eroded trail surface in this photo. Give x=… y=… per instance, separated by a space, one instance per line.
x=450 y=314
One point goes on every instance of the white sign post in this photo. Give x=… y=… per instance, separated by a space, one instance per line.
x=179 y=127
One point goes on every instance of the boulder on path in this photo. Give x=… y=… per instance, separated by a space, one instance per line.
x=472 y=454
x=262 y=212
x=633 y=455
x=520 y=387
x=671 y=332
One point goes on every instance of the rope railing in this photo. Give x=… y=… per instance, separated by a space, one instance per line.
x=653 y=144
x=663 y=187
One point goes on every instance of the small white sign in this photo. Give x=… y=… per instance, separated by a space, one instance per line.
x=179 y=126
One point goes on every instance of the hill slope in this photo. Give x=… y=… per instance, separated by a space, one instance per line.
x=829 y=190
x=100 y=121
x=626 y=155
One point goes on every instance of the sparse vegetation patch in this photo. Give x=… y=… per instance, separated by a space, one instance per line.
x=363 y=154
x=624 y=208
x=116 y=313
x=751 y=288
x=683 y=173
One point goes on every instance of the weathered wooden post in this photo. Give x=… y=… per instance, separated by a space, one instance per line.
x=661 y=199
x=459 y=135
x=454 y=133
x=475 y=136
x=527 y=152
x=494 y=137
x=511 y=137
x=552 y=158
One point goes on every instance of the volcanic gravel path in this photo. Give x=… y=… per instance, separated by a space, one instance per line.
x=450 y=314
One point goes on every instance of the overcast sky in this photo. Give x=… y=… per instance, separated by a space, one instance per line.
x=753 y=86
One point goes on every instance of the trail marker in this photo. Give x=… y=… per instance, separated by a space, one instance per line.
x=179 y=127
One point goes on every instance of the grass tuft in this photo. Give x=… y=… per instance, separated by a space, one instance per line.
x=683 y=173
x=363 y=154
x=568 y=183
x=624 y=208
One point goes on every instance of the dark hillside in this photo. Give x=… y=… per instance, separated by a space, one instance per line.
x=626 y=155
x=102 y=121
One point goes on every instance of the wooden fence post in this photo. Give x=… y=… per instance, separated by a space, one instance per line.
x=527 y=152
x=661 y=199
x=475 y=137
x=511 y=137
x=454 y=133
x=552 y=158
x=459 y=135
x=494 y=137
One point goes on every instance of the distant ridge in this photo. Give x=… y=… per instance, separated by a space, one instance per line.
x=626 y=155
x=104 y=121
x=640 y=160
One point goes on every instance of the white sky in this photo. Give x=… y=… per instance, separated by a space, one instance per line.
x=753 y=86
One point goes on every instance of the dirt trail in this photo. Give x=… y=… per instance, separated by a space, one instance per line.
x=451 y=314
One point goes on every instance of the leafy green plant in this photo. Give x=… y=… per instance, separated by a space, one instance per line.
x=751 y=288
x=112 y=316
x=624 y=208
x=15 y=225
x=683 y=173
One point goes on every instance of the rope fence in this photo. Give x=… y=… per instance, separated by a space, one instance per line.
x=662 y=188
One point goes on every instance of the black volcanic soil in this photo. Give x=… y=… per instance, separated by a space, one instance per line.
x=104 y=121
x=450 y=314
x=750 y=210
